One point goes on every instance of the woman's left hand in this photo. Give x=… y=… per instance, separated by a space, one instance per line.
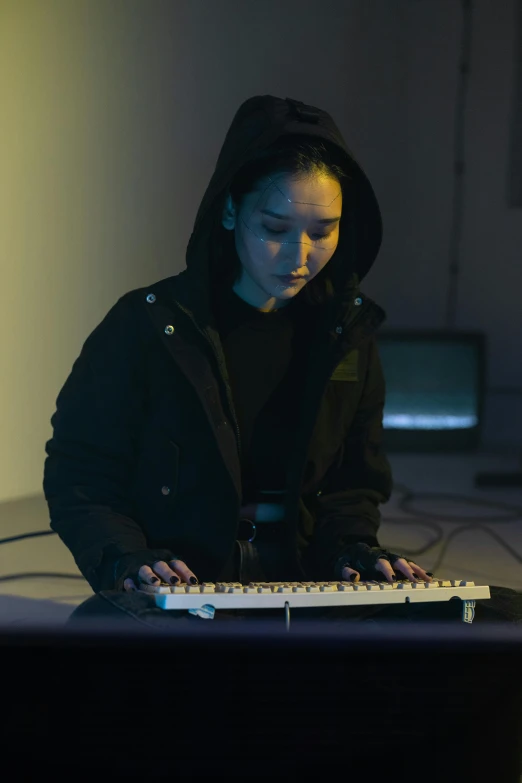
x=404 y=568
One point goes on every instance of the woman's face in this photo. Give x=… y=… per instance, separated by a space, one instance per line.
x=295 y=243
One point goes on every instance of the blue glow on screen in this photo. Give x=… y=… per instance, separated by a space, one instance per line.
x=430 y=385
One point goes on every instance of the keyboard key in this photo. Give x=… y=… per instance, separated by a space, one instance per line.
x=229 y=587
x=207 y=587
x=161 y=588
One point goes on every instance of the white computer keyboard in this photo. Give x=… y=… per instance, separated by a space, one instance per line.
x=205 y=598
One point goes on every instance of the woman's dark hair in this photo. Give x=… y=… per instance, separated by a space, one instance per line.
x=299 y=155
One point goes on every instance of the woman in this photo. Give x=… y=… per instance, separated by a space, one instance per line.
x=230 y=394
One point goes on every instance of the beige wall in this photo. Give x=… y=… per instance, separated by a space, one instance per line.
x=113 y=114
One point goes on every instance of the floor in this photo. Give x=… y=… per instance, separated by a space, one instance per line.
x=473 y=555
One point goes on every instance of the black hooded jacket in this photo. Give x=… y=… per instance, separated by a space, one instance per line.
x=181 y=407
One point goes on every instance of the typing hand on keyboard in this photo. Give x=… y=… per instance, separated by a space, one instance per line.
x=173 y=572
x=375 y=562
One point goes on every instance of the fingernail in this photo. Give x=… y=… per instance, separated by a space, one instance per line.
x=429 y=573
x=353 y=577
x=193 y=580
x=174 y=580
x=394 y=578
x=154 y=579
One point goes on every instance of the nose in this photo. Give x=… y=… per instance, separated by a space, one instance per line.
x=298 y=252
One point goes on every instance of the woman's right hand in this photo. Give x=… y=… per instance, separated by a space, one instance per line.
x=174 y=572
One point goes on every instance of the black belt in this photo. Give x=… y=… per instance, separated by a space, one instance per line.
x=259 y=531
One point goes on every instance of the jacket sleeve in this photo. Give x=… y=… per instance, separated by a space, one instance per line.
x=347 y=510
x=88 y=472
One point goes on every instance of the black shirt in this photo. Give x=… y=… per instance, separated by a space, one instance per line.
x=265 y=356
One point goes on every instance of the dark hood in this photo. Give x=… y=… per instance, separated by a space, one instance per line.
x=259 y=122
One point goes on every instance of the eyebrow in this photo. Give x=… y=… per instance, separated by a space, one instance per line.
x=287 y=217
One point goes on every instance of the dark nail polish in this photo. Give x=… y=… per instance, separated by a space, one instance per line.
x=174 y=580
x=394 y=578
x=154 y=579
x=353 y=577
x=429 y=573
x=193 y=580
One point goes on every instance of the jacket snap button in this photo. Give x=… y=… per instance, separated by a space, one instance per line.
x=151 y=298
x=169 y=329
x=339 y=330
x=358 y=301
x=165 y=491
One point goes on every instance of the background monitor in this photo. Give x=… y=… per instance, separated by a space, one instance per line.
x=435 y=387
